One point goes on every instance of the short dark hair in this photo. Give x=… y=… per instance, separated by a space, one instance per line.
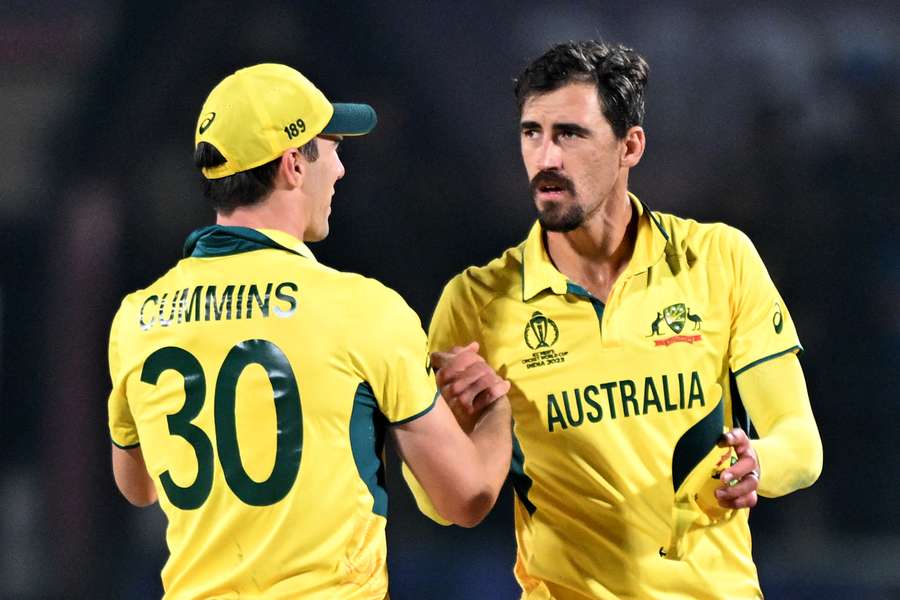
x=618 y=72
x=247 y=187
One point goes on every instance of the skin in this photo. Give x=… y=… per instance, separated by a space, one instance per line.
x=578 y=171
x=300 y=202
x=462 y=471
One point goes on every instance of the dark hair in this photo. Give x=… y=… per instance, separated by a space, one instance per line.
x=618 y=72
x=245 y=188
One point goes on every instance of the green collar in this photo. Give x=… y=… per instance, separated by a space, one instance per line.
x=222 y=240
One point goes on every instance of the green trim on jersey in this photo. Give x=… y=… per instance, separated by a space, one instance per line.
x=419 y=414
x=696 y=443
x=574 y=288
x=520 y=481
x=796 y=348
x=222 y=240
x=367 y=429
x=128 y=447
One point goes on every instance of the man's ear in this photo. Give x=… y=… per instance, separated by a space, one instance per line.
x=633 y=148
x=292 y=167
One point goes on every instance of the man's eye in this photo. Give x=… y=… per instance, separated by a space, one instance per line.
x=529 y=133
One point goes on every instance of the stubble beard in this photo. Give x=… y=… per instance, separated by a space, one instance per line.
x=555 y=216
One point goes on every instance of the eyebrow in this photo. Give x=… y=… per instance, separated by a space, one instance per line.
x=559 y=127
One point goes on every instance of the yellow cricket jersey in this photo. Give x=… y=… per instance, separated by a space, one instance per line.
x=258 y=384
x=615 y=403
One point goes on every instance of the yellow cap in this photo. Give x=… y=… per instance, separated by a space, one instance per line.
x=257 y=113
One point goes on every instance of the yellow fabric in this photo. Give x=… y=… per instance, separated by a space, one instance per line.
x=600 y=403
x=789 y=448
x=323 y=538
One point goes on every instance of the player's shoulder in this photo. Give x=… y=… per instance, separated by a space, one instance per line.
x=481 y=285
x=713 y=240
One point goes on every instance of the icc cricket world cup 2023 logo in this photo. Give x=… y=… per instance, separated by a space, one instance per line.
x=540 y=331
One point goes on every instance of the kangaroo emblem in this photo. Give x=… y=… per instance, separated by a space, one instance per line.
x=654 y=328
x=695 y=319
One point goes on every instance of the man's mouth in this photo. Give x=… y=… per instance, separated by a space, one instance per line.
x=550 y=185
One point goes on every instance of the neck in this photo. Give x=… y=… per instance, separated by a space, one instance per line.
x=273 y=212
x=596 y=253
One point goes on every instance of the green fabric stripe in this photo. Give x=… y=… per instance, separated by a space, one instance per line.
x=520 y=481
x=417 y=415
x=367 y=432
x=798 y=349
x=655 y=220
x=599 y=307
x=222 y=240
x=696 y=443
x=132 y=446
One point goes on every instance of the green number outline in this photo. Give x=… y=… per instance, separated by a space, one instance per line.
x=289 y=444
x=287 y=410
x=182 y=361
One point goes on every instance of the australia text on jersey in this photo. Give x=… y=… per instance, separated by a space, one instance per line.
x=215 y=303
x=624 y=398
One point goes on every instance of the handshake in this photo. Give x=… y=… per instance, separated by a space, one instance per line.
x=467 y=383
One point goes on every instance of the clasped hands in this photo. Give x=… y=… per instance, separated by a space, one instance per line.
x=467 y=383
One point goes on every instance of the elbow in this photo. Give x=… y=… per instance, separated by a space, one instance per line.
x=814 y=466
x=470 y=509
x=140 y=498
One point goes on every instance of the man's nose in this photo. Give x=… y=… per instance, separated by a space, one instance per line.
x=549 y=156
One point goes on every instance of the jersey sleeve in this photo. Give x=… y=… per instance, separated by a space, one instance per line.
x=397 y=360
x=122 y=430
x=761 y=326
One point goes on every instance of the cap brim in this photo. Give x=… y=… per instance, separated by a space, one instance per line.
x=351 y=119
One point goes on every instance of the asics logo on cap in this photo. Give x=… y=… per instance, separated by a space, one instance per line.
x=205 y=123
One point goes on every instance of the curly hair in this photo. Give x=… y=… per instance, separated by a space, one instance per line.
x=618 y=72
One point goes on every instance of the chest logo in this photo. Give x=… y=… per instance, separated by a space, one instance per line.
x=540 y=331
x=676 y=316
x=540 y=334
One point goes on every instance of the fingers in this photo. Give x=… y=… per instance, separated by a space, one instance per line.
x=491 y=394
x=440 y=359
x=737 y=439
x=464 y=386
x=741 y=479
x=465 y=379
x=740 y=495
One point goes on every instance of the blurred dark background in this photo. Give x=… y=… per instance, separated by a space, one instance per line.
x=781 y=118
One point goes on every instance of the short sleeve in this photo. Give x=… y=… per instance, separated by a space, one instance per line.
x=761 y=326
x=122 y=429
x=455 y=321
x=397 y=363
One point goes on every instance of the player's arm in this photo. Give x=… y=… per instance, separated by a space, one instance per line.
x=789 y=449
x=131 y=476
x=461 y=473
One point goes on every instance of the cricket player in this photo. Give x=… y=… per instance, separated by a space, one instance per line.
x=635 y=342
x=253 y=387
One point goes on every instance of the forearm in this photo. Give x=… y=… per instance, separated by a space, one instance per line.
x=789 y=447
x=492 y=437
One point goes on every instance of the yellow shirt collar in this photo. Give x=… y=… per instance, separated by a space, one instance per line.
x=539 y=272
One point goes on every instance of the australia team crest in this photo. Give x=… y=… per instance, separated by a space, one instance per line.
x=677 y=317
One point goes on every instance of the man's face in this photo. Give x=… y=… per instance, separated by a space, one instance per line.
x=571 y=155
x=318 y=187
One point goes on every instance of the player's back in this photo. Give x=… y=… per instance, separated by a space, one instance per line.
x=255 y=381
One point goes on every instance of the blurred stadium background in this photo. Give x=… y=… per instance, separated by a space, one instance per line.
x=781 y=118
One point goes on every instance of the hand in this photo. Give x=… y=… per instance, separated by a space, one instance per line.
x=467 y=383
x=742 y=478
